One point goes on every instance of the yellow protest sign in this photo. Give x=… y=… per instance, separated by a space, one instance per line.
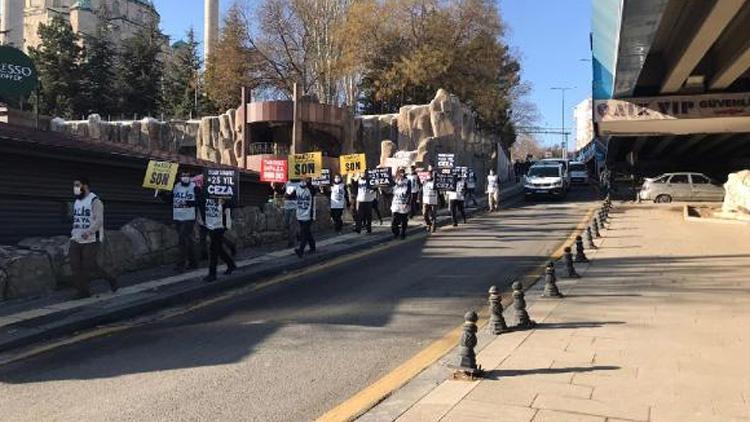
x=353 y=163
x=308 y=164
x=160 y=175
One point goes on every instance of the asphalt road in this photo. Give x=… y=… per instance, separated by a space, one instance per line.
x=295 y=350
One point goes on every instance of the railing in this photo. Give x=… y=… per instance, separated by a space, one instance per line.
x=268 y=148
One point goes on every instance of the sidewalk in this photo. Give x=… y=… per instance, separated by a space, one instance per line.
x=24 y=323
x=656 y=330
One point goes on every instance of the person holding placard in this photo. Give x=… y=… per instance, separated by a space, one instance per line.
x=217 y=218
x=365 y=197
x=415 y=184
x=456 y=201
x=304 y=195
x=184 y=198
x=429 y=203
x=339 y=201
x=400 y=205
x=290 y=214
x=493 y=191
x=471 y=187
x=86 y=237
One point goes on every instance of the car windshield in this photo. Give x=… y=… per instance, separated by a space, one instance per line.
x=547 y=171
x=577 y=167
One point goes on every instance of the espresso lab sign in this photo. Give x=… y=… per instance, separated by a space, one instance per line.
x=18 y=75
x=674 y=107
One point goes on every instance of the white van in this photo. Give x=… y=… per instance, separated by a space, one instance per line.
x=565 y=168
x=545 y=180
x=579 y=174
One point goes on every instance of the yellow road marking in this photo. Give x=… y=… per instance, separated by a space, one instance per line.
x=373 y=394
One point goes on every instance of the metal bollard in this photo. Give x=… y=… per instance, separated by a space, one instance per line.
x=467 y=358
x=595 y=225
x=590 y=238
x=580 y=251
x=519 y=305
x=568 y=260
x=497 y=323
x=550 y=280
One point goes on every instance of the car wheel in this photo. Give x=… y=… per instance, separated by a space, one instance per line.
x=663 y=199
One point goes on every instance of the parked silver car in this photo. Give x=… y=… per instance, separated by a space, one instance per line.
x=681 y=187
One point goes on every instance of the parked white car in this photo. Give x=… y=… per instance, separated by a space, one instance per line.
x=579 y=174
x=681 y=187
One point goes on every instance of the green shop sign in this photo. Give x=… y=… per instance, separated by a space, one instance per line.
x=18 y=75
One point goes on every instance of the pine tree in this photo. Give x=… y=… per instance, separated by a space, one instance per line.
x=98 y=72
x=182 y=80
x=57 y=59
x=233 y=62
x=139 y=72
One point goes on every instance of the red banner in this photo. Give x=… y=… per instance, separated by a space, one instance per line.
x=273 y=170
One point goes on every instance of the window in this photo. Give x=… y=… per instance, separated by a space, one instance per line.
x=544 y=171
x=662 y=179
x=700 y=179
x=578 y=167
x=679 y=178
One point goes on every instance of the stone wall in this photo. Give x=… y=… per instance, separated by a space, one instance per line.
x=417 y=133
x=148 y=133
x=38 y=265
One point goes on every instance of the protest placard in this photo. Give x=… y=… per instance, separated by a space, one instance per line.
x=222 y=183
x=309 y=164
x=324 y=179
x=353 y=163
x=273 y=170
x=380 y=177
x=160 y=175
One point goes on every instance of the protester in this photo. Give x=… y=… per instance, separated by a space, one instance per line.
x=429 y=203
x=353 y=187
x=184 y=212
x=339 y=201
x=400 y=206
x=415 y=185
x=365 y=197
x=471 y=187
x=290 y=214
x=304 y=195
x=456 y=201
x=86 y=237
x=493 y=191
x=217 y=218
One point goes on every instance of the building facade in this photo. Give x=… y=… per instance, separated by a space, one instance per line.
x=126 y=17
x=583 y=116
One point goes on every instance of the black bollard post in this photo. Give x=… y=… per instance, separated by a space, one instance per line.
x=550 y=280
x=580 y=251
x=568 y=260
x=497 y=323
x=519 y=305
x=467 y=358
x=595 y=225
x=590 y=238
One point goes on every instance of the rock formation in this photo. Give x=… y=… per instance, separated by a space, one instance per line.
x=737 y=197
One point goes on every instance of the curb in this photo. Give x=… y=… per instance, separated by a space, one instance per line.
x=58 y=324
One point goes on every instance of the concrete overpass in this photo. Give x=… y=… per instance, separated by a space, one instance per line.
x=672 y=84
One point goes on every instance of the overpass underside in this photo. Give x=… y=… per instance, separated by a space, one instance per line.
x=680 y=87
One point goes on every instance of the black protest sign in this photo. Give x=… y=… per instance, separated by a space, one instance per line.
x=222 y=183
x=324 y=179
x=462 y=172
x=380 y=177
x=446 y=161
x=445 y=182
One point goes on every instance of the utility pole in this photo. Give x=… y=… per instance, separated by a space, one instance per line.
x=564 y=135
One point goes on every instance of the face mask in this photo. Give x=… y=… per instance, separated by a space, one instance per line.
x=185 y=180
x=77 y=190
x=303 y=184
x=337 y=180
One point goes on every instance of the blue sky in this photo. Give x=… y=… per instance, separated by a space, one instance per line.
x=551 y=36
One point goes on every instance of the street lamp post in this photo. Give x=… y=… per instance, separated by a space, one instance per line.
x=564 y=136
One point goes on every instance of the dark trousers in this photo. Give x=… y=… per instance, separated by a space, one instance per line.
x=217 y=251
x=430 y=215
x=414 y=205
x=336 y=216
x=456 y=207
x=85 y=267
x=364 y=217
x=376 y=210
x=204 y=243
x=399 y=224
x=305 y=235
x=185 y=243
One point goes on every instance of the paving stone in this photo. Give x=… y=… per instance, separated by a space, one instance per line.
x=470 y=410
x=554 y=416
x=591 y=407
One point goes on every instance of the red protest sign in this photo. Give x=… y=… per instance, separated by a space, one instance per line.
x=273 y=170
